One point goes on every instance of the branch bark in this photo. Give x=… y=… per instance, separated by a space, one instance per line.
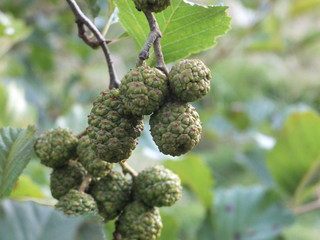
x=82 y=22
x=153 y=39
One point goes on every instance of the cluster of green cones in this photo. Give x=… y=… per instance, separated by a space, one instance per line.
x=110 y=195
x=114 y=126
x=115 y=121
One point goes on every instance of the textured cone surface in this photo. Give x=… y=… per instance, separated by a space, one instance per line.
x=143 y=90
x=95 y=166
x=112 y=193
x=190 y=79
x=139 y=222
x=56 y=147
x=175 y=128
x=113 y=133
x=77 y=203
x=152 y=5
x=157 y=186
x=68 y=177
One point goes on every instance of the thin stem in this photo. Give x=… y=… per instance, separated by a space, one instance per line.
x=83 y=21
x=153 y=39
x=86 y=181
x=84 y=132
x=127 y=169
x=144 y=53
x=159 y=57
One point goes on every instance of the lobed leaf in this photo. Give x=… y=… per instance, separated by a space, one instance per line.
x=186 y=27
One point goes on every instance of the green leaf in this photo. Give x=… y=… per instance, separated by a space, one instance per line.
x=296 y=152
x=170 y=226
x=186 y=28
x=30 y=221
x=16 y=146
x=255 y=160
x=194 y=173
x=93 y=7
x=248 y=213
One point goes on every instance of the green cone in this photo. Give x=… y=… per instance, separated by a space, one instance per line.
x=157 y=186
x=175 y=128
x=77 y=203
x=56 y=147
x=95 y=166
x=113 y=133
x=152 y=5
x=190 y=79
x=143 y=90
x=112 y=193
x=139 y=222
x=65 y=178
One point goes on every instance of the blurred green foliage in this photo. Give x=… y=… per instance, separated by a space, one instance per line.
x=260 y=144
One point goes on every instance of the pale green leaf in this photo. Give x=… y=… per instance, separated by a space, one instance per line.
x=195 y=174
x=247 y=213
x=296 y=151
x=30 y=221
x=186 y=28
x=170 y=226
x=16 y=146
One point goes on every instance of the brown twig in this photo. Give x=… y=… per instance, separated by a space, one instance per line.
x=127 y=169
x=153 y=39
x=82 y=22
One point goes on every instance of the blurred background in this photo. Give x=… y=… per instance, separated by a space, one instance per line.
x=255 y=173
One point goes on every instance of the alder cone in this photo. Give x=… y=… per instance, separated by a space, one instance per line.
x=175 y=128
x=157 y=186
x=113 y=131
x=77 y=203
x=56 y=147
x=139 y=222
x=152 y=5
x=190 y=79
x=143 y=90
x=87 y=157
x=65 y=178
x=112 y=193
